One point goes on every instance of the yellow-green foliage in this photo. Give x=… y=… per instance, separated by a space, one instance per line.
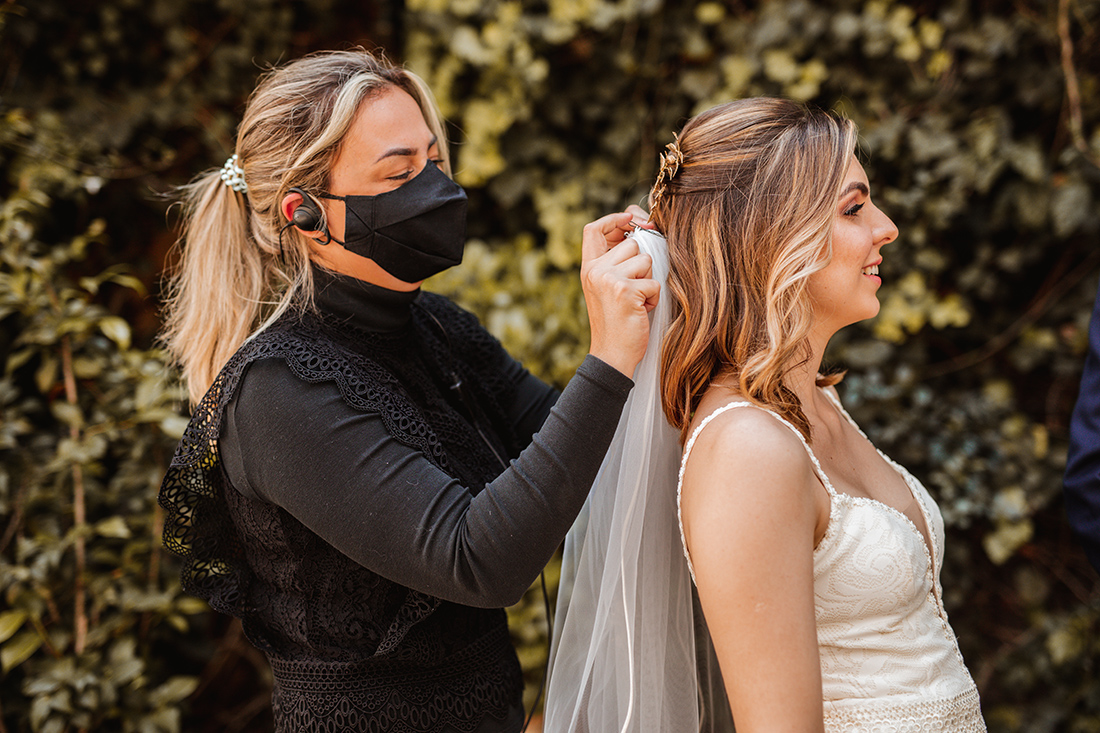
x=559 y=108
x=967 y=375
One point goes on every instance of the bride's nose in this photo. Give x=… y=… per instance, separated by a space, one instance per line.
x=884 y=229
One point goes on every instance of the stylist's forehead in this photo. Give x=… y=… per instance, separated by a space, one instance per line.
x=388 y=142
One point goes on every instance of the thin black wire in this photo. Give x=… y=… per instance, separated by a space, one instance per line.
x=549 y=635
x=457 y=387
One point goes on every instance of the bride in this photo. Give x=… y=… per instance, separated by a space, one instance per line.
x=736 y=472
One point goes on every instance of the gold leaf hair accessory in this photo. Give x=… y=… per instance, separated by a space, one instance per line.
x=671 y=161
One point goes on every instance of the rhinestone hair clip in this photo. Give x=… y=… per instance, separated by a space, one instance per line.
x=233 y=175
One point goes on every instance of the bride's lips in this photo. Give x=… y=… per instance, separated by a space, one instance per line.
x=871 y=271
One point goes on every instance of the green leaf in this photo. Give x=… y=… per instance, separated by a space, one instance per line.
x=40 y=710
x=40 y=685
x=62 y=700
x=1008 y=537
x=173 y=426
x=116 y=329
x=113 y=527
x=18 y=359
x=54 y=725
x=1027 y=158
x=165 y=720
x=90 y=284
x=67 y=413
x=124 y=672
x=87 y=368
x=89 y=698
x=1067 y=642
x=178 y=622
x=46 y=375
x=19 y=649
x=190 y=605
x=1070 y=206
x=128 y=281
x=175 y=689
x=10 y=622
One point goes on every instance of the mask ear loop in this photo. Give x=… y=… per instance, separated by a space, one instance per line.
x=314 y=210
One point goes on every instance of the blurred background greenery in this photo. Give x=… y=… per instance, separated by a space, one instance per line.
x=980 y=124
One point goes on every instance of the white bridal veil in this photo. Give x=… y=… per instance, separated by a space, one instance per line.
x=630 y=653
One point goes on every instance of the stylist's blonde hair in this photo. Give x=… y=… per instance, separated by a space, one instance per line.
x=746 y=200
x=232 y=280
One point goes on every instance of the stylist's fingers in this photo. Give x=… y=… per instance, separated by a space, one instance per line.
x=637 y=272
x=618 y=270
x=618 y=302
x=639 y=217
x=619 y=292
x=604 y=233
x=637 y=266
x=650 y=289
x=618 y=253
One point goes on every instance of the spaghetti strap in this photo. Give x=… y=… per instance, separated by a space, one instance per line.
x=691 y=442
x=910 y=482
x=836 y=402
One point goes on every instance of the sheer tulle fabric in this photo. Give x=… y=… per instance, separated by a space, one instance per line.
x=625 y=655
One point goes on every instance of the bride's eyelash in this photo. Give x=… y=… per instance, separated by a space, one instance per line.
x=853 y=210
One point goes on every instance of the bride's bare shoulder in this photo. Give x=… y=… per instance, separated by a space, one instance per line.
x=746 y=471
x=747 y=440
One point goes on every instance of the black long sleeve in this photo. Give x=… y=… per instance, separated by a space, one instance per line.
x=339 y=472
x=533 y=398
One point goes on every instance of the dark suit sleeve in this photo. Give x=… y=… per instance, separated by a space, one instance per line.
x=383 y=504
x=1082 y=479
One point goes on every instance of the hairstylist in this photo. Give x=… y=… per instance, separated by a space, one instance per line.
x=368 y=477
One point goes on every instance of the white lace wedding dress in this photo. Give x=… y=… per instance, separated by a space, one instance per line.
x=890 y=662
x=629 y=655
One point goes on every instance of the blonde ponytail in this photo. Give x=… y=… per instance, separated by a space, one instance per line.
x=234 y=276
x=214 y=299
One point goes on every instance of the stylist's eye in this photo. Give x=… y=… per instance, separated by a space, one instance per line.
x=403 y=177
x=853 y=210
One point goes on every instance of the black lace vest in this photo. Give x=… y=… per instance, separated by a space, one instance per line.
x=373 y=655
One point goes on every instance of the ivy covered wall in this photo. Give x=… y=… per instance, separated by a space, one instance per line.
x=980 y=125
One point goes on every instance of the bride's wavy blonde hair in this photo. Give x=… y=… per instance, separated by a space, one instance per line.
x=746 y=198
x=234 y=277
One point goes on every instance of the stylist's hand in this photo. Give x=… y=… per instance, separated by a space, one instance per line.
x=619 y=291
x=639 y=217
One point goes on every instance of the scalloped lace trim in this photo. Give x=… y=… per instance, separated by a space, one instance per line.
x=959 y=714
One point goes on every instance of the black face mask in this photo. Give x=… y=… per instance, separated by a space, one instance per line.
x=412 y=232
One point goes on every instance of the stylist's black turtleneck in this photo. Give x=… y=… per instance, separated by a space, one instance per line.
x=298 y=445
x=361 y=304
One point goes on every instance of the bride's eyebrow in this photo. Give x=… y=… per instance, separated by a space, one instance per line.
x=856 y=186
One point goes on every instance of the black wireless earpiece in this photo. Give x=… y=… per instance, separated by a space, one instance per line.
x=306 y=216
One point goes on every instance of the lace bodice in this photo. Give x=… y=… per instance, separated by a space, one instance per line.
x=889 y=659
x=344 y=489
x=349 y=640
